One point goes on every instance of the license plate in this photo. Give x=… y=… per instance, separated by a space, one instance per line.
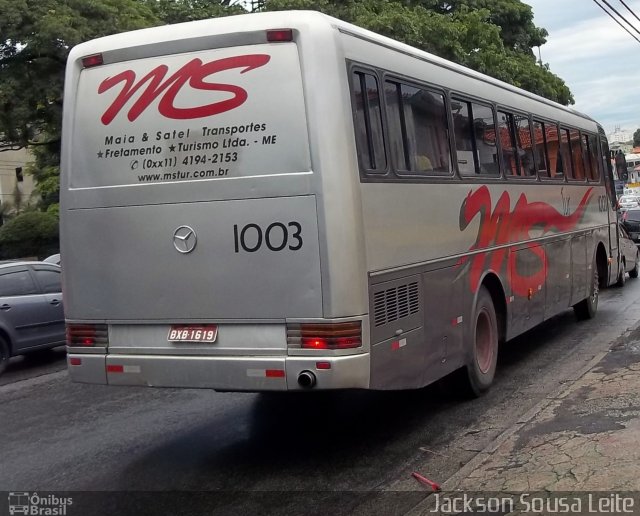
x=193 y=333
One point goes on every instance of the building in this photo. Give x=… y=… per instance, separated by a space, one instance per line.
x=16 y=186
x=620 y=136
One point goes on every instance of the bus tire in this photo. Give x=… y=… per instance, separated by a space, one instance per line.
x=622 y=277
x=5 y=354
x=633 y=273
x=586 y=309
x=481 y=368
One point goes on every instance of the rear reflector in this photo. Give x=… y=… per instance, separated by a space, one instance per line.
x=87 y=335
x=92 y=60
x=117 y=368
x=75 y=361
x=344 y=335
x=279 y=35
x=266 y=373
x=323 y=365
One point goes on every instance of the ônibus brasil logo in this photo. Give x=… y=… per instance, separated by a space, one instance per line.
x=193 y=73
x=32 y=504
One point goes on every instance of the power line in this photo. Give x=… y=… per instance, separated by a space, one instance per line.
x=620 y=16
x=615 y=19
x=628 y=9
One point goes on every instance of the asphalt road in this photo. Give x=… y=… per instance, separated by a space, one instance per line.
x=342 y=453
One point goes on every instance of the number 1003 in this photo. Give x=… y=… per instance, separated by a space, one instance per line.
x=276 y=237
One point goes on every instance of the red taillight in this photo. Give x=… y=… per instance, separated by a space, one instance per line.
x=279 y=35
x=345 y=335
x=87 y=335
x=92 y=60
x=314 y=343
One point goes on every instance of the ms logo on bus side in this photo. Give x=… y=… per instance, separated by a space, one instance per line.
x=194 y=73
x=503 y=226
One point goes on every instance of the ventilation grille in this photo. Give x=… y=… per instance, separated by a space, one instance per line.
x=395 y=303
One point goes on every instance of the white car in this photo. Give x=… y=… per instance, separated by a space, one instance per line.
x=54 y=258
x=628 y=201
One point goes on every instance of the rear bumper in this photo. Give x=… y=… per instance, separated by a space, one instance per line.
x=253 y=374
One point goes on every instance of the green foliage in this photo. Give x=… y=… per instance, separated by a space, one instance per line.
x=494 y=37
x=35 y=39
x=636 y=138
x=45 y=170
x=32 y=233
x=176 y=11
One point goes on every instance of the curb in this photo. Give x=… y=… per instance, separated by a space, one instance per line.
x=451 y=483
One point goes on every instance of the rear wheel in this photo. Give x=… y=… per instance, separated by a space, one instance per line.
x=633 y=273
x=481 y=368
x=4 y=354
x=586 y=309
x=622 y=276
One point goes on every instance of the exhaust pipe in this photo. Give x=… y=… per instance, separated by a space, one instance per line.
x=306 y=380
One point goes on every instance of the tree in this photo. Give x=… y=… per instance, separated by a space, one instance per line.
x=177 y=11
x=32 y=233
x=45 y=169
x=636 y=138
x=494 y=37
x=35 y=39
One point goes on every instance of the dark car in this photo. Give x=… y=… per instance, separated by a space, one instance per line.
x=631 y=222
x=629 y=257
x=31 y=312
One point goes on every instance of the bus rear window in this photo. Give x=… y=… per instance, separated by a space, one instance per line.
x=210 y=115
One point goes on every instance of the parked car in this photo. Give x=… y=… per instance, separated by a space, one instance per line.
x=631 y=222
x=630 y=256
x=626 y=202
x=31 y=311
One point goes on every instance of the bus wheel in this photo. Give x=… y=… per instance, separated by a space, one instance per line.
x=484 y=355
x=4 y=354
x=622 y=277
x=586 y=309
x=633 y=273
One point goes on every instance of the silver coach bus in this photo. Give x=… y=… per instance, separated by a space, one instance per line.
x=283 y=201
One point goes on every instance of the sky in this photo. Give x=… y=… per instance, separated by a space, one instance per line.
x=595 y=57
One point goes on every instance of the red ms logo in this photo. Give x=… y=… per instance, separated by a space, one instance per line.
x=192 y=74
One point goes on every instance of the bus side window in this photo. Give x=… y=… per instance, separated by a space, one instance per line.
x=506 y=129
x=565 y=152
x=368 y=123
x=524 y=141
x=591 y=144
x=577 y=155
x=485 y=139
x=475 y=136
x=541 y=155
x=556 y=170
x=418 y=129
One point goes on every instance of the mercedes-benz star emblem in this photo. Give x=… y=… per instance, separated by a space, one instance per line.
x=184 y=239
